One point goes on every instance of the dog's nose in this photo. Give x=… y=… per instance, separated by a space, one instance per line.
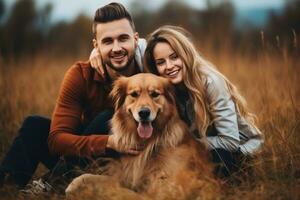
x=144 y=113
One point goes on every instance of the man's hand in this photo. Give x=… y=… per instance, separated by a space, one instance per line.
x=96 y=62
x=112 y=144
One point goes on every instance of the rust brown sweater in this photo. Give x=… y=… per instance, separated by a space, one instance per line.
x=83 y=94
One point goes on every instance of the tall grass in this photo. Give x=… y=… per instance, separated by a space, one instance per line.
x=269 y=81
x=28 y=87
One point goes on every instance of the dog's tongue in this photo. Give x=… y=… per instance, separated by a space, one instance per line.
x=145 y=130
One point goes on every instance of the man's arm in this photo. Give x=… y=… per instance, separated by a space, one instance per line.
x=66 y=120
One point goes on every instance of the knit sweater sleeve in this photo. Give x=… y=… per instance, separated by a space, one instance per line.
x=66 y=119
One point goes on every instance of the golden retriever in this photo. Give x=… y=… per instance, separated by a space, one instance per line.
x=172 y=162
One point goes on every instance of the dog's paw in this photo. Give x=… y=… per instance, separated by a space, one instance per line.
x=77 y=183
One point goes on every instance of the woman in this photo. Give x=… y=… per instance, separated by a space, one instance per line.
x=208 y=102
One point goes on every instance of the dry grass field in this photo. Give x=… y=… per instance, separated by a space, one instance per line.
x=270 y=82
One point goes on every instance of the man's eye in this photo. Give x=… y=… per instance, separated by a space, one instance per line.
x=107 y=42
x=134 y=94
x=123 y=39
x=154 y=94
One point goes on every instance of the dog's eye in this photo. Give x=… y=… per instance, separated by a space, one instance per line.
x=134 y=94
x=154 y=94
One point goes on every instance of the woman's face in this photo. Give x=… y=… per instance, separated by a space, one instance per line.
x=168 y=64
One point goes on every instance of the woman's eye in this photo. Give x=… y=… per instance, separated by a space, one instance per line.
x=160 y=63
x=154 y=94
x=134 y=94
x=174 y=56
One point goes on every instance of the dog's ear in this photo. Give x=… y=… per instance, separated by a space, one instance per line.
x=169 y=90
x=118 y=92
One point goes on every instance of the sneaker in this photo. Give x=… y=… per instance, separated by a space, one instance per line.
x=37 y=187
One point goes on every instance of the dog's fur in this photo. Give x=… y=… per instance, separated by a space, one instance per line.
x=170 y=154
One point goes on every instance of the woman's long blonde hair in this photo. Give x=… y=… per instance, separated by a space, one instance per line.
x=193 y=73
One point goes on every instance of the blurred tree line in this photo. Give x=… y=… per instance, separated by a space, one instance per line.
x=28 y=30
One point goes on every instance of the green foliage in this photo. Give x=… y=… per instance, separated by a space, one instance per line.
x=20 y=33
x=28 y=31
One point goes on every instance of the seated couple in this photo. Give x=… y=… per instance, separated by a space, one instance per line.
x=209 y=104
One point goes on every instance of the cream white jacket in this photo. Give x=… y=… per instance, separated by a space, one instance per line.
x=232 y=131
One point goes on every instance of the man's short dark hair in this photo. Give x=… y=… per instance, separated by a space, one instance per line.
x=111 y=12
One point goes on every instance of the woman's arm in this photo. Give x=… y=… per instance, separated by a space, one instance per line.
x=223 y=113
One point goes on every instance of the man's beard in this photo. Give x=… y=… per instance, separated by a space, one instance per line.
x=123 y=68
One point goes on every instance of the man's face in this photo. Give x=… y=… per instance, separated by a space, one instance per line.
x=116 y=42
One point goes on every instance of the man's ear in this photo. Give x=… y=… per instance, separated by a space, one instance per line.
x=136 y=38
x=95 y=43
x=118 y=93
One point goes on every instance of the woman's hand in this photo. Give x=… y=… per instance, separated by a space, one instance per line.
x=112 y=144
x=96 y=62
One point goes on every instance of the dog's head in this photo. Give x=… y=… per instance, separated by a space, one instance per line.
x=145 y=99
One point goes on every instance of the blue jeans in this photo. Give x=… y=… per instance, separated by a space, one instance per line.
x=30 y=147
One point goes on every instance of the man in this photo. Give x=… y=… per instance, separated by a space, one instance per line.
x=79 y=122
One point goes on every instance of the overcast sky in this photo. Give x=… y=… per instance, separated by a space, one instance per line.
x=68 y=9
